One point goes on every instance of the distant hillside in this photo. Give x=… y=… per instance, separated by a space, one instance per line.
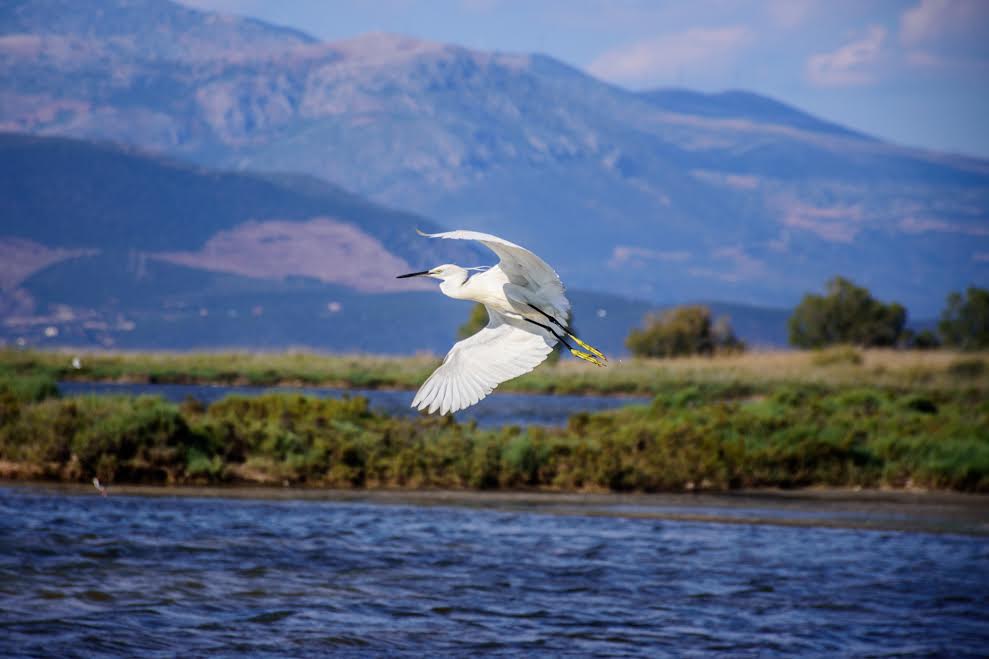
x=93 y=233
x=742 y=105
x=99 y=302
x=158 y=30
x=667 y=195
x=103 y=246
x=70 y=194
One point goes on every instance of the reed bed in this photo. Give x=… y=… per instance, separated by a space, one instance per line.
x=834 y=367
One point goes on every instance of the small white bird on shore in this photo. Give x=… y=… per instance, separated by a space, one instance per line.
x=528 y=313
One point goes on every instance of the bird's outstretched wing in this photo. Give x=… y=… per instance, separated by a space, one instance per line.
x=522 y=267
x=503 y=350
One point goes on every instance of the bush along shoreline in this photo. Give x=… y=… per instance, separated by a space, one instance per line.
x=700 y=436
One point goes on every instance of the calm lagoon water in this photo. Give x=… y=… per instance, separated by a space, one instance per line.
x=495 y=410
x=82 y=575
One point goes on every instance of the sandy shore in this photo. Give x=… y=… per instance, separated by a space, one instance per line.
x=892 y=510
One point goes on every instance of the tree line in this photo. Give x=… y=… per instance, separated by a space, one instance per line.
x=845 y=314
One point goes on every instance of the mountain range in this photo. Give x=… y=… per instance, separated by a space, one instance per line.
x=663 y=196
x=107 y=246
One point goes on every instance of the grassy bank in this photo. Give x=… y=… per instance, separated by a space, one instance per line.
x=838 y=367
x=706 y=435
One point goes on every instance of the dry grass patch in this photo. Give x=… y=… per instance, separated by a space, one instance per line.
x=834 y=367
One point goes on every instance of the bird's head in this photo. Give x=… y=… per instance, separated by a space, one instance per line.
x=442 y=272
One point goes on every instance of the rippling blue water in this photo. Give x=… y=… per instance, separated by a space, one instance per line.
x=496 y=410
x=140 y=576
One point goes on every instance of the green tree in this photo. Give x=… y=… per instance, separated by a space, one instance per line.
x=965 y=320
x=686 y=330
x=476 y=321
x=724 y=336
x=923 y=340
x=846 y=313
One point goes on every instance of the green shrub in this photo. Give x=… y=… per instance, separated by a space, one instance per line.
x=29 y=388
x=702 y=435
x=922 y=404
x=836 y=356
x=140 y=439
x=682 y=331
x=967 y=368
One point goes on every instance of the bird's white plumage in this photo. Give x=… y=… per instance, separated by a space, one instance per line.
x=522 y=268
x=502 y=350
x=510 y=345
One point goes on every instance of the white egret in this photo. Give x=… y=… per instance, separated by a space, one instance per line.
x=528 y=313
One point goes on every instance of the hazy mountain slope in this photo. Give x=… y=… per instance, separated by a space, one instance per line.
x=68 y=193
x=99 y=301
x=738 y=104
x=103 y=246
x=668 y=196
x=88 y=230
x=156 y=29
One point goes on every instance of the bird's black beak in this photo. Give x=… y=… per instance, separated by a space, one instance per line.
x=413 y=274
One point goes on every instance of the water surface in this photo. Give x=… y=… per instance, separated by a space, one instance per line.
x=496 y=410
x=82 y=575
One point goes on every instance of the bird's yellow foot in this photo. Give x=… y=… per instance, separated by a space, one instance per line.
x=586 y=357
x=589 y=348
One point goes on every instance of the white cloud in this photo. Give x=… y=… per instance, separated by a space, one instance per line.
x=480 y=6
x=742 y=265
x=788 y=14
x=938 y=63
x=665 y=58
x=947 y=36
x=623 y=255
x=924 y=225
x=934 y=20
x=852 y=64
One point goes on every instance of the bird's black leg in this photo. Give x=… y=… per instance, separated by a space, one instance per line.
x=573 y=351
x=583 y=345
x=550 y=318
x=551 y=331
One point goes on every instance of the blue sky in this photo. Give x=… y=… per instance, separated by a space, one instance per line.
x=914 y=72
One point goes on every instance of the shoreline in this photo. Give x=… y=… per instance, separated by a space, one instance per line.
x=904 y=510
x=346 y=386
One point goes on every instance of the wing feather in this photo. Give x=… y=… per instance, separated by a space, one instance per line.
x=434 y=398
x=421 y=394
x=506 y=348
x=449 y=396
x=444 y=385
x=478 y=389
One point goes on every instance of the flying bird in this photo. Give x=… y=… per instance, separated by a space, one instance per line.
x=528 y=313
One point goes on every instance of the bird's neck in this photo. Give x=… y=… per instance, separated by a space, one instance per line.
x=454 y=286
